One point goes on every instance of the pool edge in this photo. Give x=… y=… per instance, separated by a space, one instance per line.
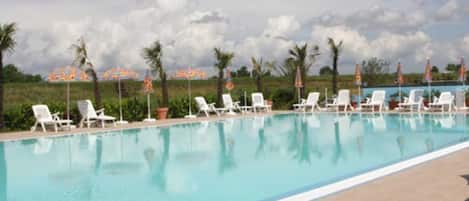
x=360 y=179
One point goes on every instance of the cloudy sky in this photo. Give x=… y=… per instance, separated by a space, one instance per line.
x=117 y=30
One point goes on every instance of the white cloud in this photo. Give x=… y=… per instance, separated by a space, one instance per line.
x=282 y=26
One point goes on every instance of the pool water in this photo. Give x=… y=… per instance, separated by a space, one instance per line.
x=255 y=158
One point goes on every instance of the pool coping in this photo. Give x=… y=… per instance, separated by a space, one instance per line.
x=336 y=187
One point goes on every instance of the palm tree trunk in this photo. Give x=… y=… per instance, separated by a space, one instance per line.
x=164 y=90
x=334 y=75
x=97 y=93
x=1 y=91
x=259 y=83
x=303 y=79
x=219 y=86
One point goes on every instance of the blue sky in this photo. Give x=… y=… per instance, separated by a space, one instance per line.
x=117 y=30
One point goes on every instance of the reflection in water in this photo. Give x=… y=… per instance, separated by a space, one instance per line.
x=226 y=161
x=338 y=151
x=158 y=166
x=400 y=144
x=261 y=145
x=99 y=155
x=429 y=144
x=300 y=144
x=3 y=173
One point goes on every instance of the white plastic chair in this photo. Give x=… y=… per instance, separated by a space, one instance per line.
x=377 y=99
x=229 y=104
x=90 y=115
x=207 y=108
x=445 y=99
x=44 y=117
x=311 y=101
x=415 y=99
x=342 y=99
x=259 y=103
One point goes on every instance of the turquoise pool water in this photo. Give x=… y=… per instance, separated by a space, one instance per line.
x=258 y=158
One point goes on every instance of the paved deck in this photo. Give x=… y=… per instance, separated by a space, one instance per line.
x=50 y=133
x=439 y=180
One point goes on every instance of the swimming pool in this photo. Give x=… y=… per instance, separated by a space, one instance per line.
x=253 y=158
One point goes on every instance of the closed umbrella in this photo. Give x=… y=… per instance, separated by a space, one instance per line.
x=462 y=71
x=119 y=74
x=358 y=82
x=190 y=74
x=399 y=79
x=148 y=89
x=298 y=83
x=229 y=86
x=428 y=78
x=67 y=74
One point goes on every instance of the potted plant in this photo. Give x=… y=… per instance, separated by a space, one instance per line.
x=394 y=102
x=466 y=94
x=153 y=56
x=426 y=100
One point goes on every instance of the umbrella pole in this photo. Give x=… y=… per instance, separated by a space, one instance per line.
x=190 y=99
x=299 y=96
x=359 y=98
x=400 y=93
x=245 y=101
x=148 y=105
x=121 y=121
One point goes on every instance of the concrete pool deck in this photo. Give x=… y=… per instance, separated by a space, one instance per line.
x=439 y=179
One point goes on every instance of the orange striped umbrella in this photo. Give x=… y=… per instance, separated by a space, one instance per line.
x=462 y=71
x=428 y=72
x=298 y=81
x=148 y=83
x=358 y=75
x=400 y=76
x=229 y=83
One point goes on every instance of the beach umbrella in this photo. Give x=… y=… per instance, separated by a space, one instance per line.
x=298 y=83
x=428 y=78
x=119 y=74
x=462 y=71
x=190 y=74
x=67 y=74
x=358 y=82
x=148 y=89
x=399 y=79
x=229 y=86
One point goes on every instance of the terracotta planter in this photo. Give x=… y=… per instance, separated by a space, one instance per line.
x=467 y=101
x=425 y=103
x=162 y=113
x=393 y=104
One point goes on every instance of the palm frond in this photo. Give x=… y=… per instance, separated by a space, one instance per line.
x=7 y=40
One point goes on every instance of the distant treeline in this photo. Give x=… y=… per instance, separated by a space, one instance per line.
x=12 y=74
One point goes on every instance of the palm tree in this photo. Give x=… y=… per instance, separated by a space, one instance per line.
x=300 y=58
x=336 y=49
x=82 y=61
x=223 y=59
x=153 y=56
x=259 y=71
x=7 y=44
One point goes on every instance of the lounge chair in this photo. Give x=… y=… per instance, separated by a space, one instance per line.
x=207 y=108
x=377 y=100
x=229 y=105
x=90 y=115
x=259 y=103
x=44 y=117
x=415 y=99
x=342 y=100
x=445 y=99
x=311 y=101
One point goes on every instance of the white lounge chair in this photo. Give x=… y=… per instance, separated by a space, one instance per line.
x=259 y=103
x=90 y=115
x=415 y=99
x=342 y=99
x=446 y=99
x=207 y=108
x=44 y=117
x=311 y=101
x=377 y=100
x=229 y=105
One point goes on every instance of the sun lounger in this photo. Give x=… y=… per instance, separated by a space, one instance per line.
x=415 y=99
x=310 y=102
x=230 y=105
x=44 y=118
x=342 y=100
x=90 y=115
x=377 y=100
x=446 y=99
x=259 y=103
x=208 y=108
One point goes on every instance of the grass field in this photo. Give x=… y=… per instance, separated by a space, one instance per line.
x=34 y=93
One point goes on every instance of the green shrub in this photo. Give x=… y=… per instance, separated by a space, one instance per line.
x=282 y=99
